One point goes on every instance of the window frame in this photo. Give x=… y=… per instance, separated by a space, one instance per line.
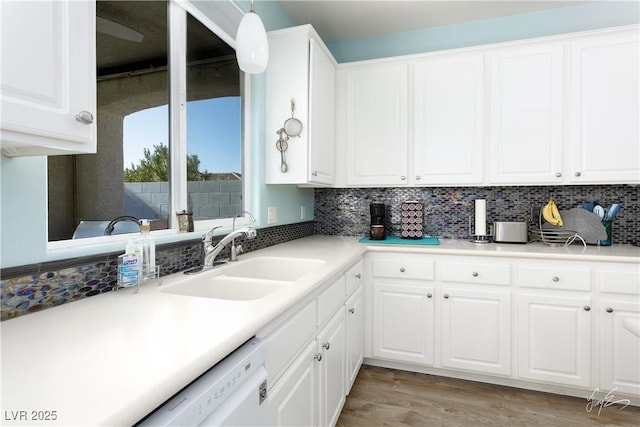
x=177 y=60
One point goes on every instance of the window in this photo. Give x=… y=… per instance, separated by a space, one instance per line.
x=143 y=167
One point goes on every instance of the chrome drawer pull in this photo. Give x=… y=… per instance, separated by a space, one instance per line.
x=555 y=278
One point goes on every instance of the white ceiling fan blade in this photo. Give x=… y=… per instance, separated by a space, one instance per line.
x=114 y=29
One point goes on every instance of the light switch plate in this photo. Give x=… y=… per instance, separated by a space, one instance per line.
x=303 y=212
x=272 y=215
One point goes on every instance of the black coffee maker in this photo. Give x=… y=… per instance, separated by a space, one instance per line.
x=378 y=212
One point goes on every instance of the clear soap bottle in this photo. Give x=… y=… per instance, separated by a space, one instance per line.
x=146 y=248
x=129 y=264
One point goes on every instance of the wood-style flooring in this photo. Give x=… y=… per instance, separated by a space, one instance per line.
x=386 y=397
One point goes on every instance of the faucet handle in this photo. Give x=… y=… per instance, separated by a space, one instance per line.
x=208 y=236
x=251 y=233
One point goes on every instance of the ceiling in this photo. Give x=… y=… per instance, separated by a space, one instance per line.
x=341 y=20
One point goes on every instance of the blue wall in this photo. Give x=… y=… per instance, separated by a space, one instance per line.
x=562 y=20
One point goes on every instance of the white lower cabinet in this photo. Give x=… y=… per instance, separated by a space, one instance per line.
x=403 y=322
x=620 y=348
x=354 y=313
x=293 y=401
x=554 y=335
x=330 y=358
x=314 y=354
x=540 y=323
x=475 y=330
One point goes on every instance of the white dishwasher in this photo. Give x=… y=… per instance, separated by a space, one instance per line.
x=232 y=393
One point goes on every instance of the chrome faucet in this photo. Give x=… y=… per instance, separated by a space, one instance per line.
x=211 y=252
x=236 y=250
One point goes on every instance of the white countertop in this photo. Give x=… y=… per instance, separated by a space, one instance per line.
x=113 y=358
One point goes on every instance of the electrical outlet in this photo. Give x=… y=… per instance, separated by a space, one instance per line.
x=272 y=215
x=303 y=212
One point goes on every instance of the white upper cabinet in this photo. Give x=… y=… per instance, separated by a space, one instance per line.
x=605 y=113
x=376 y=124
x=301 y=70
x=526 y=125
x=48 y=92
x=448 y=120
x=558 y=110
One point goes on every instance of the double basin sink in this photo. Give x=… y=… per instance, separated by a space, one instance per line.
x=245 y=280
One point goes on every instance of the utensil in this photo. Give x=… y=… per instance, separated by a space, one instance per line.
x=293 y=126
x=282 y=145
x=599 y=210
x=614 y=210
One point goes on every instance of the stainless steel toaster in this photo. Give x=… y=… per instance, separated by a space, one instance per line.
x=510 y=232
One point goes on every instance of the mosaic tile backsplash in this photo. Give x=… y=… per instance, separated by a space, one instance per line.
x=37 y=287
x=345 y=211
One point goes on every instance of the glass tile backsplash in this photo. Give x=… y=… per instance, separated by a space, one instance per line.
x=345 y=211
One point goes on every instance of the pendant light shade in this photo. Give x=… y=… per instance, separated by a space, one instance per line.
x=252 y=48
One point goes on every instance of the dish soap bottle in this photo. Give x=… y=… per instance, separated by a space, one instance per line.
x=129 y=264
x=146 y=249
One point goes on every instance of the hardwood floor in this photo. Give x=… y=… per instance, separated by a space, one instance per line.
x=386 y=397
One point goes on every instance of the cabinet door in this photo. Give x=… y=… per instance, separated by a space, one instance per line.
x=403 y=323
x=322 y=77
x=48 y=77
x=476 y=330
x=293 y=401
x=620 y=348
x=448 y=120
x=605 y=112
x=355 y=336
x=331 y=368
x=526 y=126
x=376 y=110
x=554 y=334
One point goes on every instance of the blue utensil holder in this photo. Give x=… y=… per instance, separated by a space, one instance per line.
x=608 y=224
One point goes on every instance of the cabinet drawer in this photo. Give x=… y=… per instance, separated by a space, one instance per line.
x=286 y=342
x=573 y=279
x=354 y=277
x=330 y=299
x=403 y=269
x=620 y=281
x=469 y=272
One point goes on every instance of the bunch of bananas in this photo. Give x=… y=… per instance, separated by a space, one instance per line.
x=551 y=213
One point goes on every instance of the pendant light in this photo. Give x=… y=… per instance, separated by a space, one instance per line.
x=252 y=49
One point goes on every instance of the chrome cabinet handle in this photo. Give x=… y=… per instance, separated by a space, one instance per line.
x=609 y=310
x=555 y=278
x=352 y=310
x=318 y=357
x=429 y=295
x=558 y=174
x=326 y=346
x=315 y=173
x=401 y=269
x=417 y=177
x=474 y=274
x=446 y=296
x=587 y=308
x=577 y=174
x=358 y=276
x=403 y=177
x=84 y=117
